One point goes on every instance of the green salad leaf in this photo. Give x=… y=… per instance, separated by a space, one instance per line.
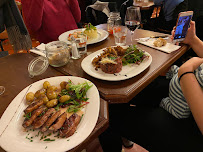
x=133 y=54
x=80 y=89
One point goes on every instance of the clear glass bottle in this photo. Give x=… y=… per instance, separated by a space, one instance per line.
x=114 y=19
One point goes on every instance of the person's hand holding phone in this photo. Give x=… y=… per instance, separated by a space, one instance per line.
x=190 y=36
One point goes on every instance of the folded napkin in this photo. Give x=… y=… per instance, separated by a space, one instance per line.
x=168 y=48
x=40 y=50
x=101 y=6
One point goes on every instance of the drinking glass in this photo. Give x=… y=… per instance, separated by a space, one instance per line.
x=81 y=43
x=120 y=33
x=2 y=89
x=132 y=19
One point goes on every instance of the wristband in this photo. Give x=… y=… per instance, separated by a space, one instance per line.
x=185 y=74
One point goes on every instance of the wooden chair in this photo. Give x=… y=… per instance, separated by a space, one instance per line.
x=3 y=37
x=157 y=16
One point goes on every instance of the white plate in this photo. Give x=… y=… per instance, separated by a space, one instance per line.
x=168 y=48
x=14 y=139
x=102 y=35
x=127 y=71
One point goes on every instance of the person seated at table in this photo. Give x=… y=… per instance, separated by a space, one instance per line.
x=151 y=126
x=169 y=12
x=48 y=19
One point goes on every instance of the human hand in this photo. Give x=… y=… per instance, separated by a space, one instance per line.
x=190 y=66
x=190 y=36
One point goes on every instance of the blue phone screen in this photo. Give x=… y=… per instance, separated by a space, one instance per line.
x=182 y=27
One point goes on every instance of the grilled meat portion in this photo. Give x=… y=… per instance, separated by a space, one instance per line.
x=50 y=121
x=34 y=115
x=70 y=126
x=59 y=122
x=112 y=68
x=43 y=118
x=33 y=106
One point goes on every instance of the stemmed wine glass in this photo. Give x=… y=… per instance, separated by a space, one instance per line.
x=132 y=19
x=2 y=89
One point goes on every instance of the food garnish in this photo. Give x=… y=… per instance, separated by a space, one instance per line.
x=89 y=26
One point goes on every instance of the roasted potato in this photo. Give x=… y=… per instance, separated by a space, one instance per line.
x=64 y=98
x=52 y=103
x=40 y=92
x=67 y=87
x=51 y=95
x=30 y=97
x=51 y=88
x=44 y=98
x=46 y=84
x=63 y=84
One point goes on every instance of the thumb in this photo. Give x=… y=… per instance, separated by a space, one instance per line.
x=192 y=25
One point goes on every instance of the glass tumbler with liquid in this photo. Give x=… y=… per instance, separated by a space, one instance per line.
x=120 y=33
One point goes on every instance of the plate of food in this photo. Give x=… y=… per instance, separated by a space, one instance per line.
x=54 y=114
x=116 y=63
x=94 y=35
x=159 y=44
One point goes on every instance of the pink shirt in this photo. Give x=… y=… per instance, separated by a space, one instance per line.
x=47 y=19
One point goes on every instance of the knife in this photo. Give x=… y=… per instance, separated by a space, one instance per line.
x=159 y=36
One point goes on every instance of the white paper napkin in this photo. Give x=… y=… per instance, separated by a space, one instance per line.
x=39 y=50
x=168 y=48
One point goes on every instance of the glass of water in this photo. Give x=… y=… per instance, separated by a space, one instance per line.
x=81 y=43
x=120 y=33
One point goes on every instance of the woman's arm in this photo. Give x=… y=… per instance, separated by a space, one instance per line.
x=191 y=89
x=75 y=9
x=33 y=13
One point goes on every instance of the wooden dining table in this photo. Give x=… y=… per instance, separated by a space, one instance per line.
x=14 y=77
x=124 y=91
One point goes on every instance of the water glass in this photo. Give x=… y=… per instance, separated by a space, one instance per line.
x=81 y=43
x=120 y=33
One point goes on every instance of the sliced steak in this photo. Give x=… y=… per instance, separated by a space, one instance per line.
x=34 y=115
x=70 y=126
x=50 y=121
x=59 y=122
x=43 y=118
x=33 y=106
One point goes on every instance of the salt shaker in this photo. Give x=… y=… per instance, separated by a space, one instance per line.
x=75 y=52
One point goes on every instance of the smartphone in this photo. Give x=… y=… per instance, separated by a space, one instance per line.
x=182 y=25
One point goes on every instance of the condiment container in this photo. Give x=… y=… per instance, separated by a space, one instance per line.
x=56 y=54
